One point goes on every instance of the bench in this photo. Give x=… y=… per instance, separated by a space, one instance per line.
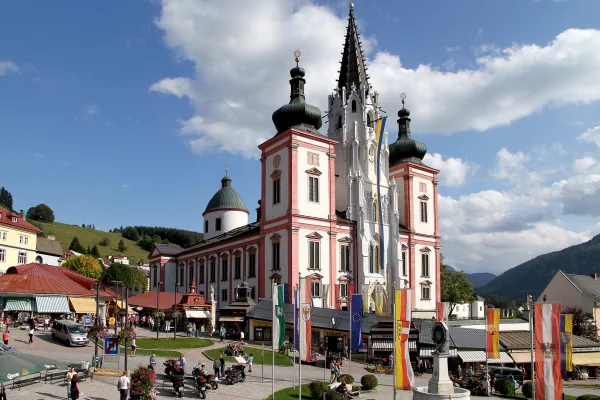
x=28 y=380
x=54 y=374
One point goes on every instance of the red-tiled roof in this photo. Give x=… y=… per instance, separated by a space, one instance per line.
x=48 y=279
x=6 y=218
x=148 y=300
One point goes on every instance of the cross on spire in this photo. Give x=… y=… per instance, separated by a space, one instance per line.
x=226 y=170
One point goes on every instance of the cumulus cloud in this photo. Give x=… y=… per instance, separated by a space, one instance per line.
x=454 y=171
x=242 y=55
x=7 y=67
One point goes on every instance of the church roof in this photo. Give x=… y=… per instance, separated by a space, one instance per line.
x=353 y=70
x=226 y=198
x=405 y=148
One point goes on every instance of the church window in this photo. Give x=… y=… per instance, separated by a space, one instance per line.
x=338 y=125
x=425 y=292
x=313 y=189
x=275 y=253
x=155 y=275
x=224 y=295
x=224 y=269
x=425 y=265
x=218 y=225
x=353 y=106
x=201 y=277
x=404 y=272
x=313 y=159
x=423 y=187
x=191 y=273
x=423 y=211
x=252 y=264
x=238 y=268
x=315 y=289
x=373 y=258
x=277 y=191
x=345 y=258
x=343 y=289
x=180 y=275
x=314 y=254
x=206 y=226
x=213 y=271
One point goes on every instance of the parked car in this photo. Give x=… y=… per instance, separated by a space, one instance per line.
x=507 y=372
x=9 y=349
x=71 y=332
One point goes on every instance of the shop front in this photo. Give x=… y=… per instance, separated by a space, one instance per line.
x=233 y=317
x=193 y=311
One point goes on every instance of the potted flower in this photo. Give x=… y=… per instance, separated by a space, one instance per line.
x=142 y=384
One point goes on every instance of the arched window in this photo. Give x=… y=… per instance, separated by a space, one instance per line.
x=369 y=122
x=191 y=273
x=39 y=260
x=338 y=125
x=155 y=275
x=353 y=106
x=180 y=275
x=373 y=258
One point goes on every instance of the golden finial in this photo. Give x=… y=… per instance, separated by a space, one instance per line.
x=297 y=55
x=351 y=5
x=402 y=97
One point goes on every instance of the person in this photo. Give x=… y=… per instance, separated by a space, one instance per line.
x=343 y=388
x=68 y=379
x=222 y=360
x=75 y=392
x=217 y=367
x=242 y=337
x=523 y=373
x=6 y=335
x=133 y=347
x=152 y=362
x=250 y=362
x=420 y=365
x=333 y=372
x=123 y=385
x=46 y=324
x=459 y=371
x=182 y=361
x=31 y=330
x=221 y=335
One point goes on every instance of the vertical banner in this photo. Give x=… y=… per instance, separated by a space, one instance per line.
x=286 y=293
x=336 y=289
x=304 y=323
x=404 y=378
x=278 y=318
x=325 y=295
x=297 y=319
x=548 y=377
x=365 y=294
x=493 y=332
x=351 y=287
x=379 y=300
x=566 y=342
x=356 y=315
x=443 y=309
x=379 y=140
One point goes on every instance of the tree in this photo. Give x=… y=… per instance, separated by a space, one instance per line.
x=6 y=199
x=76 y=245
x=146 y=243
x=41 y=213
x=456 y=288
x=105 y=242
x=131 y=233
x=121 y=247
x=95 y=252
x=583 y=323
x=85 y=265
x=130 y=276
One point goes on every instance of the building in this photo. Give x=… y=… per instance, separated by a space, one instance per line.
x=319 y=207
x=18 y=239
x=118 y=260
x=581 y=291
x=473 y=310
x=49 y=251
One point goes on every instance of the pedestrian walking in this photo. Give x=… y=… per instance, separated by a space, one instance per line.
x=217 y=367
x=133 y=347
x=31 y=331
x=152 y=364
x=68 y=379
x=46 y=324
x=250 y=362
x=123 y=385
x=222 y=360
x=242 y=337
x=6 y=335
x=75 y=392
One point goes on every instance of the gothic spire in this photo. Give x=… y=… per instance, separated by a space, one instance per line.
x=352 y=69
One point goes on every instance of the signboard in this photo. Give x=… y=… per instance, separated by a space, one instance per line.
x=111 y=323
x=111 y=346
x=391 y=336
x=87 y=320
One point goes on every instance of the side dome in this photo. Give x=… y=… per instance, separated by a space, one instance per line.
x=226 y=198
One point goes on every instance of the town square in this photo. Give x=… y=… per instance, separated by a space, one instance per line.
x=374 y=199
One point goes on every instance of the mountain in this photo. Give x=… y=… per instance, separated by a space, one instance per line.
x=532 y=277
x=477 y=279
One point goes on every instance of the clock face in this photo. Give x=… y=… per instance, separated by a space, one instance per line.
x=276 y=161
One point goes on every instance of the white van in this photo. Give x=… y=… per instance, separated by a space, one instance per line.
x=71 y=332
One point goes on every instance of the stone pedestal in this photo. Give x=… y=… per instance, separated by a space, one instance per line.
x=440 y=382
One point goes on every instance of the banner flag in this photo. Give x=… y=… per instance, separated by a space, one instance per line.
x=304 y=319
x=404 y=378
x=566 y=342
x=356 y=316
x=493 y=332
x=443 y=309
x=379 y=133
x=548 y=377
x=278 y=318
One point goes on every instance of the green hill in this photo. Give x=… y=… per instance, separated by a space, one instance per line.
x=64 y=233
x=532 y=277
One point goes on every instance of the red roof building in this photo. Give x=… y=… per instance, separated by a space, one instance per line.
x=166 y=300
x=16 y=220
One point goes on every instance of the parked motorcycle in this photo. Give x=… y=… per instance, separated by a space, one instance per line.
x=178 y=384
x=211 y=379
x=201 y=386
x=173 y=368
x=235 y=374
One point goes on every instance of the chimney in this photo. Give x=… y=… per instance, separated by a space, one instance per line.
x=259 y=211
x=21 y=214
x=595 y=275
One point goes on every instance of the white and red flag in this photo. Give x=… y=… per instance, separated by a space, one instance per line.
x=304 y=325
x=548 y=377
x=443 y=310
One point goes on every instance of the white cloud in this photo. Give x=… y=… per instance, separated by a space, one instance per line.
x=454 y=171
x=592 y=135
x=7 y=67
x=92 y=109
x=125 y=185
x=584 y=164
x=180 y=87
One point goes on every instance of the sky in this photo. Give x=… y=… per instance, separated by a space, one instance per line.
x=127 y=113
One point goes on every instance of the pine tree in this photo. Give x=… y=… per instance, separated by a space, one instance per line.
x=122 y=246
x=76 y=245
x=6 y=199
x=95 y=252
x=88 y=250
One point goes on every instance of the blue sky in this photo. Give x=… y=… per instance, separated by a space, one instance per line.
x=126 y=113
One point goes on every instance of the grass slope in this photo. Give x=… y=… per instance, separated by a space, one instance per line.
x=291 y=393
x=64 y=233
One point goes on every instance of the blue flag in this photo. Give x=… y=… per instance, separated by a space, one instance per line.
x=356 y=315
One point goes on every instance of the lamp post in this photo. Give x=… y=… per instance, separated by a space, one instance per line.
x=126 y=321
x=157 y=309
x=97 y=284
x=174 y=311
x=117 y=319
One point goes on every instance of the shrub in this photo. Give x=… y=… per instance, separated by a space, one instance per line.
x=349 y=379
x=368 y=382
x=588 y=397
x=142 y=384
x=317 y=389
x=105 y=242
x=528 y=390
x=504 y=386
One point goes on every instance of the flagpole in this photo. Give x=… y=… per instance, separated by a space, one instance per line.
x=530 y=301
x=294 y=335
x=273 y=341
x=349 y=300
x=394 y=362
x=487 y=330
x=302 y=288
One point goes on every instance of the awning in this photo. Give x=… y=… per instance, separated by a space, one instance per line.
x=230 y=319
x=83 y=305
x=412 y=344
x=522 y=357
x=427 y=352
x=121 y=305
x=471 y=356
x=383 y=345
x=18 y=305
x=587 y=359
x=52 y=304
x=197 y=314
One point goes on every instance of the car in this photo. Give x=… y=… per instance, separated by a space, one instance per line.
x=71 y=332
x=9 y=349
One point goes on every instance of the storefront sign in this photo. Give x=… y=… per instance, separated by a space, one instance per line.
x=334 y=333
x=260 y=323
x=585 y=349
x=390 y=336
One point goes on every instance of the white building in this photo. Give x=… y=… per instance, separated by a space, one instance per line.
x=474 y=310
x=319 y=208
x=48 y=251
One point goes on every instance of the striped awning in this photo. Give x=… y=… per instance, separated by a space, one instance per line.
x=83 y=305
x=383 y=345
x=19 y=305
x=471 y=356
x=52 y=304
x=427 y=352
x=121 y=305
x=591 y=359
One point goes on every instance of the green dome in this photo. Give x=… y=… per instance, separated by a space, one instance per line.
x=226 y=198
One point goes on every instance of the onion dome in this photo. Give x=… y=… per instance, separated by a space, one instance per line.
x=226 y=198
x=297 y=114
x=405 y=148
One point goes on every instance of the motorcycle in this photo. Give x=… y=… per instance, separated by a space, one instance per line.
x=201 y=386
x=211 y=379
x=235 y=374
x=178 y=384
x=173 y=368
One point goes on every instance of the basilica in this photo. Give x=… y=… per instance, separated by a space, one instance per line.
x=319 y=215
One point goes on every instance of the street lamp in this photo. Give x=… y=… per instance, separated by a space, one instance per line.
x=174 y=311
x=97 y=285
x=117 y=319
x=157 y=309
